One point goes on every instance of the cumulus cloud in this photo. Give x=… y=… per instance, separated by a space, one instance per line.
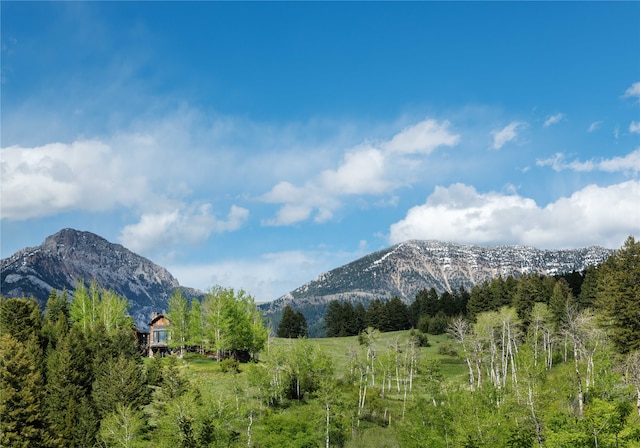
x=594 y=126
x=633 y=91
x=625 y=164
x=367 y=169
x=553 y=119
x=181 y=225
x=593 y=215
x=634 y=127
x=58 y=177
x=506 y=134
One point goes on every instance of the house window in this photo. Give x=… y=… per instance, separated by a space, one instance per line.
x=159 y=336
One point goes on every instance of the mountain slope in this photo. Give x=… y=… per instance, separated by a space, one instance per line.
x=406 y=268
x=69 y=255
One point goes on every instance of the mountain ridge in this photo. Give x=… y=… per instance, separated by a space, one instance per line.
x=71 y=255
x=401 y=270
x=406 y=268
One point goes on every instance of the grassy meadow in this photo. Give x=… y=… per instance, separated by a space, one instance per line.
x=206 y=374
x=236 y=390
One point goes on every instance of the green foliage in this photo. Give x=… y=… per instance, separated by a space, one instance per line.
x=119 y=380
x=195 y=333
x=232 y=322
x=291 y=430
x=122 y=427
x=340 y=319
x=178 y=315
x=230 y=365
x=21 y=318
x=21 y=414
x=618 y=295
x=99 y=308
x=292 y=325
x=420 y=338
x=71 y=416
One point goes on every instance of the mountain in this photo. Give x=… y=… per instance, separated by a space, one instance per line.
x=407 y=268
x=69 y=255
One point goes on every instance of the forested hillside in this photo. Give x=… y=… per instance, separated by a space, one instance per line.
x=535 y=364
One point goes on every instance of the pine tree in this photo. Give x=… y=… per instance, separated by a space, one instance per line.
x=560 y=301
x=293 y=324
x=589 y=288
x=22 y=421
x=397 y=315
x=21 y=318
x=69 y=412
x=119 y=380
x=618 y=295
x=480 y=300
x=56 y=317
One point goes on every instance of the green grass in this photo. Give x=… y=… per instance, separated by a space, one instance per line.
x=216 y=386
x=206 y=375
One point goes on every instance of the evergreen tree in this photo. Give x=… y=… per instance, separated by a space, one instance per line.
x=588 y=288
x=528 y=292
x=69 y=412
x=480 y=300
x=397 y=315
x=560 y=301
x=119 y=380
x=21 y=318
x=293 y=324
x=460 y=299
x=22 y=421
x=56 y=317
x=339 y=319
x=376 y=316
x=618 y=295
x=360 y=317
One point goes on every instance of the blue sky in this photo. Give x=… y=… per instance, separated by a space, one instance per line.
x=257 y=145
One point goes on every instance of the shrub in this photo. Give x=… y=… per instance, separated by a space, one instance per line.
x=448 y=349
x=230 y=365
x=420 y=337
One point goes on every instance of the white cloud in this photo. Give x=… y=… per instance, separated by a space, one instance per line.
x=506 y=134
x=634 y=127
x=553 y=119
x=633 y=91
x=626 y=164
x=58 y=177
x=361 y=172
x=367 y=169
x=422 y=138
x=180 y=225
x=593 y=215
x=594 y=126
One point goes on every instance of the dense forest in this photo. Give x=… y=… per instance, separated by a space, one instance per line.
x=526 y=362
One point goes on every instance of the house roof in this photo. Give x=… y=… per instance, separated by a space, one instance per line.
x=156 y=318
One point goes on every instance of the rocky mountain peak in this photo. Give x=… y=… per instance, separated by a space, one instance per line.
x=72 y=255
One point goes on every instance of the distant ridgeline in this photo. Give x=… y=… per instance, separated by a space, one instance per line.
x=70 y=256
x=415 y=267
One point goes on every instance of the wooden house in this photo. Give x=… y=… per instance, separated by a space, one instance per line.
x=158 y=335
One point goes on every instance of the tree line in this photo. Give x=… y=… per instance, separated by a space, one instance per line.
x=225 y=322
x=598 y=288
x=74 y=376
